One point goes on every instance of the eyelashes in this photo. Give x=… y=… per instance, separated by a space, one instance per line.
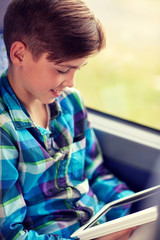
x=61 y=72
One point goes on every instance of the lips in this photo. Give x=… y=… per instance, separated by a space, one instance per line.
x=56 y=93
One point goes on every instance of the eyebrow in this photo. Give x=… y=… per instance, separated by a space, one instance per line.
x=72 y=66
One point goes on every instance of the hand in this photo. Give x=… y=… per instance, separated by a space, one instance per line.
x=121 y=235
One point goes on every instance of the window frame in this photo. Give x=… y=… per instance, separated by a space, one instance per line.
x=131 y=151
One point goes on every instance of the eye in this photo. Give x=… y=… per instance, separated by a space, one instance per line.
x=62 y=72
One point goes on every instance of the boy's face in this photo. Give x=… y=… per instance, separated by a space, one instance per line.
x=44 y=80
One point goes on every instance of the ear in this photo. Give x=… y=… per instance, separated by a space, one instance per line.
x=17 y=53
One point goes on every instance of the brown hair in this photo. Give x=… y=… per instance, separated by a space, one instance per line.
x=65 y=29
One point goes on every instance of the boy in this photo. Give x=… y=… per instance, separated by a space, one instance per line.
x=52 y=177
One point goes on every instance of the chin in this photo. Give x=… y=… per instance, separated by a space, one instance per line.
x=48 y=101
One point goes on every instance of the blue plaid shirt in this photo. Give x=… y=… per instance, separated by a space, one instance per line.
x=51 y=180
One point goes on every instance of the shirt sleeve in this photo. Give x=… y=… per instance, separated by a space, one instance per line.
x=12 y=205
x=106 y=186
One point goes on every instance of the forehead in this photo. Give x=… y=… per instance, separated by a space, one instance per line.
x=76 y=63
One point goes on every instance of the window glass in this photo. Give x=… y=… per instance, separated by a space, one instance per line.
x=124 y=79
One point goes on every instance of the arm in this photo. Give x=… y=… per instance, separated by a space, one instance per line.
x=13 y=208
x=105 y=185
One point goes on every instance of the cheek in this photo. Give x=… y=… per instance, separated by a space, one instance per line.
x=53 y=79
x=34 y=80
x=38 y=77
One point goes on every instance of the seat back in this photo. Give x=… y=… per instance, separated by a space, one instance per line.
x=3 y=7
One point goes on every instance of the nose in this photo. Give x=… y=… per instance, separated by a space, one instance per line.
x=70 y=80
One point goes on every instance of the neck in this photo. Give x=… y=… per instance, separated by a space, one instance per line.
x=15 y=79
x=35 y=108
x=38 y=114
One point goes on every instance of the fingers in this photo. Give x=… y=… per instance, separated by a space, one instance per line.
x=126 y=235
x=121 y=235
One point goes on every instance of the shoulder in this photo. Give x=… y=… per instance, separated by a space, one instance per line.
x=6 y=124
x=71 y=97
x=71 y=93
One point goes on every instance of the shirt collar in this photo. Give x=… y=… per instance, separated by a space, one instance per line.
x=55 y=109
x=18 y=113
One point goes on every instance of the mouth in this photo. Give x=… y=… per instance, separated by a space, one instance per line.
x=56 y=93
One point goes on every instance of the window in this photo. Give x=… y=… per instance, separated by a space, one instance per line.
x=124 y=79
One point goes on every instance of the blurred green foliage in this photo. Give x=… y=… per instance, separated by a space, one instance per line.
x=122 y=89
x=124 y=79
